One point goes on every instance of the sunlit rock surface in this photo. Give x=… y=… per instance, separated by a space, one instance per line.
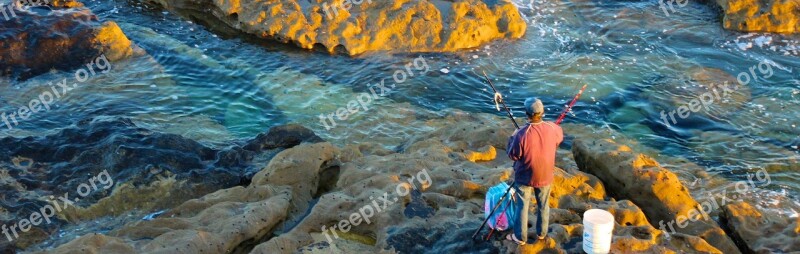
x=642 y=180
x=758 y=231
x=777 y=16
x=399 y=26
x=57 y=36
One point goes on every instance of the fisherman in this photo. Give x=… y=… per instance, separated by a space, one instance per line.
x=533 y=150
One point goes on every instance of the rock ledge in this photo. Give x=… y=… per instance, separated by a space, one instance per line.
x=341 y=26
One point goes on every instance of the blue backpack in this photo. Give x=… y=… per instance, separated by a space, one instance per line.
x=506 y=215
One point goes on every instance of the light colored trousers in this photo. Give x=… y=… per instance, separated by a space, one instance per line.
x=542 y=211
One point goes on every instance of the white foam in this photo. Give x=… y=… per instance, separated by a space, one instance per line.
x=763 y=40
x=744 y=45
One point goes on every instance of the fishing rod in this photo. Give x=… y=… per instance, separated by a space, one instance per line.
x=569 y=107
x=494 y=210
x=498 y=98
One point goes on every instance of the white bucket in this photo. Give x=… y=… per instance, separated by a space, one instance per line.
x=598 y=226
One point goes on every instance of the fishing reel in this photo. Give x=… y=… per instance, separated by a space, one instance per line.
x=498 y=99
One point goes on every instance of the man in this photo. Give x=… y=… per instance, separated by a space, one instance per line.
x=533 y=149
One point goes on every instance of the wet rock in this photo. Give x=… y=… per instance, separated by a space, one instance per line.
x=266 y=145
x=65 y=3
x=216 y=223
x=774 y=16
x=95 y=145
x=658 y=191
x=95 y=243
x=63 y=38
x=284 y=136
x=162 y=192
x=446 y=237
x=757 y=231
x=146 y=170
x=336 y=26
x=64 y=161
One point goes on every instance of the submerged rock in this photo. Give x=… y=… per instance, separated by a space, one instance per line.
x=775 y=16
x=772 y=117
x=706 y=92
x=40 y=38
x=346 y=27
x=734 y=148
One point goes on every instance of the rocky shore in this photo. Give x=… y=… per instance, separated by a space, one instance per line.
x=308 y=185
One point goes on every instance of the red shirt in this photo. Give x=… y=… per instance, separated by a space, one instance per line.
x=533 y=149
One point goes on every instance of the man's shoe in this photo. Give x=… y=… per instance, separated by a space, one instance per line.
x=513 y=238
x=542 y=239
